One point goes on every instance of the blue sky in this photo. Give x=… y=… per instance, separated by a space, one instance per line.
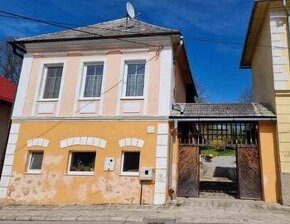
x=215 y=66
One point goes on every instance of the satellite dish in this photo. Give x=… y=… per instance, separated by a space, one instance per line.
x=130 y=10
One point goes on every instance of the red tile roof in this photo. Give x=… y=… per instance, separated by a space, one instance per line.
x=7 y=90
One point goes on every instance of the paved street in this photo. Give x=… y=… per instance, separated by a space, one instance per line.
x=180 y=211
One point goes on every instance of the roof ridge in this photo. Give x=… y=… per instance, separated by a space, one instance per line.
x=103 y=29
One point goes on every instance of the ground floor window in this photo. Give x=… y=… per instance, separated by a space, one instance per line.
x=130 y=163
x=82 y=162
x=35 y=161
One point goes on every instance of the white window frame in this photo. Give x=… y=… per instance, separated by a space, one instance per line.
x=34 y=171
x=83 y=79
x=122 y=165
x=43 y=81
x=125 y=77
x=80 y=173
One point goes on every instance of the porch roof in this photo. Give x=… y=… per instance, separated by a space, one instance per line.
x=233 y=111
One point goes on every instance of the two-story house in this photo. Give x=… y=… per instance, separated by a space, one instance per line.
x=91 y=118
x=266 y=52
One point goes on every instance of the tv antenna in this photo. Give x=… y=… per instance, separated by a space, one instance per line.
x=130 y=10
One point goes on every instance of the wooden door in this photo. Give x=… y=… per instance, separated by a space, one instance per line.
x=188 y=168
x=248 y=165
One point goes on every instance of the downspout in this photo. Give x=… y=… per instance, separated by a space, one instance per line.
x=171 y=191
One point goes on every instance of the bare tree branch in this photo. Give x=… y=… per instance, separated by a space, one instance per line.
x=10 y=64
x=247 y=96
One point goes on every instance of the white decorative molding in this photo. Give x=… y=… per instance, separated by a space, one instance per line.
x=37 y=142
x=136 y=142
x=279 y=85
x=91 y=141
x=23 y=86
x=281 y=77
x=45 y=108
x=166 y=68
x=150 y=129
x=279 y=51
x=161 y=163
x=131 y=107
x=88 y=108
x=9 y=157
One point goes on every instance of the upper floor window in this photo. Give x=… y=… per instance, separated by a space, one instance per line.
x=52 y=81
x=135 y=73
x=92 y=81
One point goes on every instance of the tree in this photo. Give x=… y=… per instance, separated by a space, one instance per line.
x=247 y=96
x=201 y=94
x=10 y=64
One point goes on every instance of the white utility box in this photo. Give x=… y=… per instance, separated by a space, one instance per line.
x=109 y=164
x=146 y=173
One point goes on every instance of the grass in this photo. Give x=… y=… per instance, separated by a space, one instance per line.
x=218 y=152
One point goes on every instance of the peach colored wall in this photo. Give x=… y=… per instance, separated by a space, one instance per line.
x=112 y=79
x=154 y=82
x=55 y=186
x=32 y=85
x=263 y=80
x=69 y=88
x=109 y=104
x=180 y=87
x=269 y=157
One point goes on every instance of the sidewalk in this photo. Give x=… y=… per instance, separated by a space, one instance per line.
x=181 y=211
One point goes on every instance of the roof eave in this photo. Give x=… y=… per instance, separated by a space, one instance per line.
x=216 y=118
x=22 y=42
x=248 y=44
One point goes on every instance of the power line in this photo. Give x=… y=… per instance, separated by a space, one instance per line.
x=231 y=42
x=61 y=25
x=67 y=26
x=72 y=24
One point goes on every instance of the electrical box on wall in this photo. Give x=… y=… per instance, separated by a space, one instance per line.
x=109 y=164
x=146 y=173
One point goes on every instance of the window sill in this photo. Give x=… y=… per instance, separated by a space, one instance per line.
x=89 y=99
x=48 y=100
x=132 y=98
x=76 y=173
x=130 y=174
x=33 y=173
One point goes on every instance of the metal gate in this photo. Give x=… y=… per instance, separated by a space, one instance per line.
x=239 y=136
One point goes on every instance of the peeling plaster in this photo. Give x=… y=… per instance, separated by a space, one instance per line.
x=30 y=188
x=53 y=159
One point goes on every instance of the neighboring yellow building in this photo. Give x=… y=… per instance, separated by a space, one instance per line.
x=91 y=118
x=266 y=52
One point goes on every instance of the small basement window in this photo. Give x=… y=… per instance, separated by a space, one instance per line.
x=130 y=163
x=35 y=162
x=82 y=162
